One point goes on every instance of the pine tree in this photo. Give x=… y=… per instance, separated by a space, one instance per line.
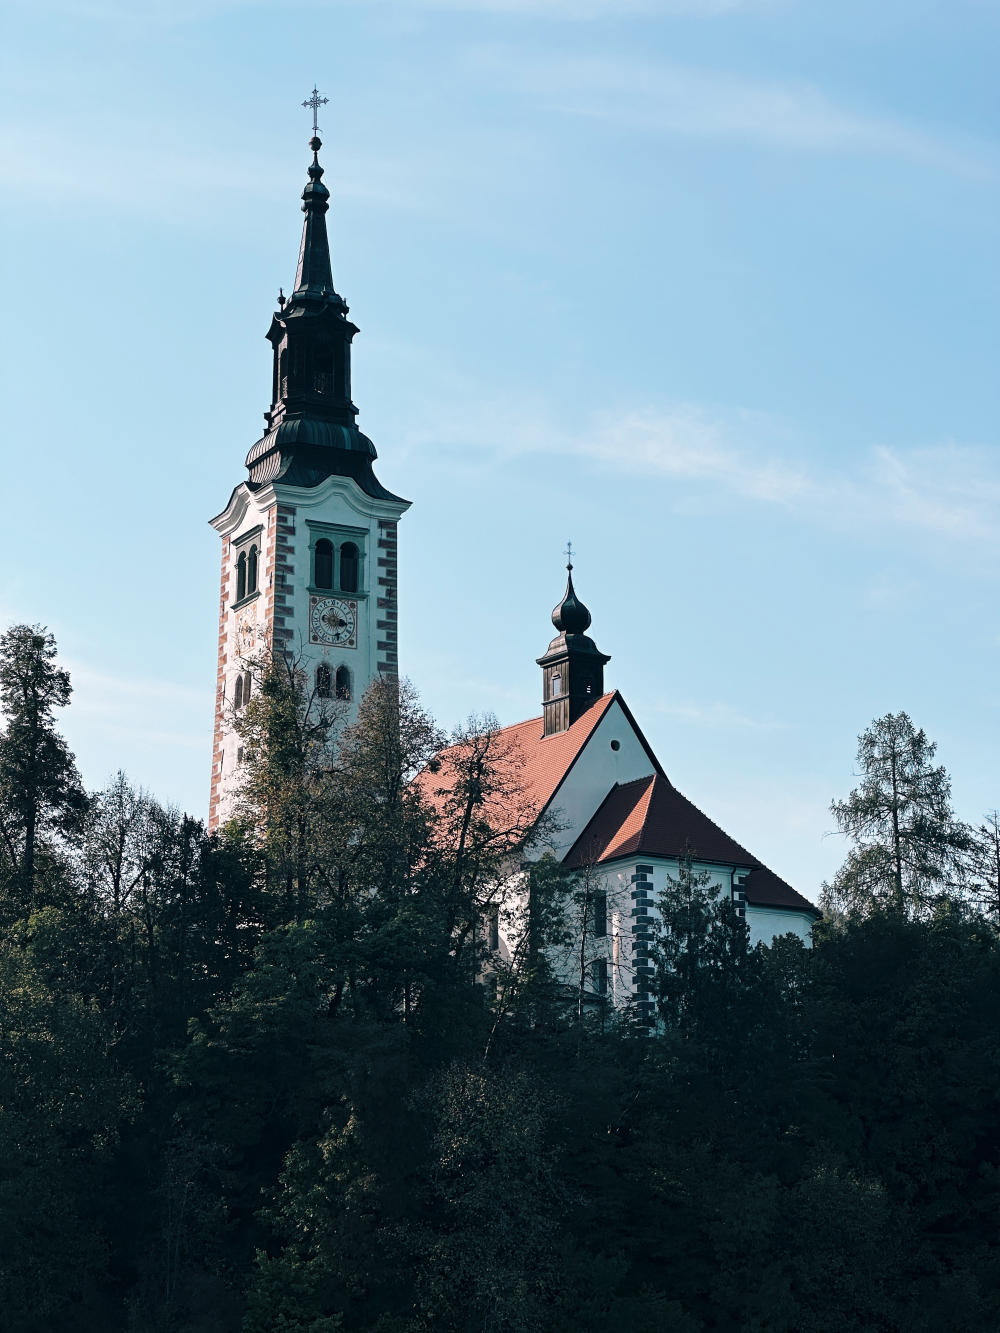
x=41 y=797
x=982 y=868
x=907 y=842
x=700 y=941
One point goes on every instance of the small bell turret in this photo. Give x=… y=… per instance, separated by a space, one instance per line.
x=573 y=665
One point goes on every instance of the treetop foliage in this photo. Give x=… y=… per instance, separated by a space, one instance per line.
x=323 y=1071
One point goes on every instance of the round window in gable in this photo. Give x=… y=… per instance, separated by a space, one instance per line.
x=616 y=745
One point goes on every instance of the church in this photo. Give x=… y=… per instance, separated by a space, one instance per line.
x=309 y=566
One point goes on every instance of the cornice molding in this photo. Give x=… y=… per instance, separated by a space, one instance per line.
x=365 y=506
x=235 y=511
x=348 y=490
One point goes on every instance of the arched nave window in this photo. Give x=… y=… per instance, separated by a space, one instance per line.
x=323 y=564
x=348 y=567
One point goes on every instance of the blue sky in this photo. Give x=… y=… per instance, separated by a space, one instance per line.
x=710 y=287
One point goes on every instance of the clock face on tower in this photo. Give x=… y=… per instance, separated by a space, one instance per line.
x=333 y=621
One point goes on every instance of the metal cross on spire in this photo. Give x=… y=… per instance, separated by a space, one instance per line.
x=569 y=555
x=315 y=101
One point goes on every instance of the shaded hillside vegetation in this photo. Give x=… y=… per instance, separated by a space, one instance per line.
x=257 y=1081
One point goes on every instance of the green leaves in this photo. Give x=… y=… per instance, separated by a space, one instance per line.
x=907 y=842
x=41 y=797
x=325 y=1073
x=62 y=1107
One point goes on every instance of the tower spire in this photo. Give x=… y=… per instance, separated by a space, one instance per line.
x=572 y=665
x=314 y=275
x=310 y=426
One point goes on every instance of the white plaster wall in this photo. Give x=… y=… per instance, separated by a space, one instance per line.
x=338 y=500
x=595 y=772
x=250 y=513
x=767 y=923
x=616 y=881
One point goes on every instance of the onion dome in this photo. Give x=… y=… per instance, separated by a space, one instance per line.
x=572 y=665
x=571 y=616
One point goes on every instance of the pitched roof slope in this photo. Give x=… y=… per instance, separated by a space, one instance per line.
x=766 y=889
x=649 y=817
x=543 y=761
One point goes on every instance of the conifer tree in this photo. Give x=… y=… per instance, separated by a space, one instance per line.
x=906 y=838
x=41 y=797
x=700 y=940
x=982 y=868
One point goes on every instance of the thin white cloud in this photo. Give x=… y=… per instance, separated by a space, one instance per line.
x=96 y=692
x=951 y=493
x=718 y=715
x=99 y=165
x=175 y=13
x=670 y=99
x=687 y=443
x=952 y=490
x=683 y=442
x=142 y=710
x=587 y=10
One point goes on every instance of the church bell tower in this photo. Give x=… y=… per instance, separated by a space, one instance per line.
x=572 y=666
x=309 y=536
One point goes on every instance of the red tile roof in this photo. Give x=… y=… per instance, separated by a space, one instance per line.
x=543 y=761
x=649 y=817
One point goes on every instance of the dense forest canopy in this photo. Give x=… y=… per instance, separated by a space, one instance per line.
x=276 y=1079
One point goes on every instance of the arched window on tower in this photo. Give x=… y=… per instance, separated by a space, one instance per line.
x=238 y=693
x=323 y=682
x=555 y=686
x=343 y=683
x=241 y=576
x=252 y=570
x=348 y=567
x=323 y=564
x=246 y=688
